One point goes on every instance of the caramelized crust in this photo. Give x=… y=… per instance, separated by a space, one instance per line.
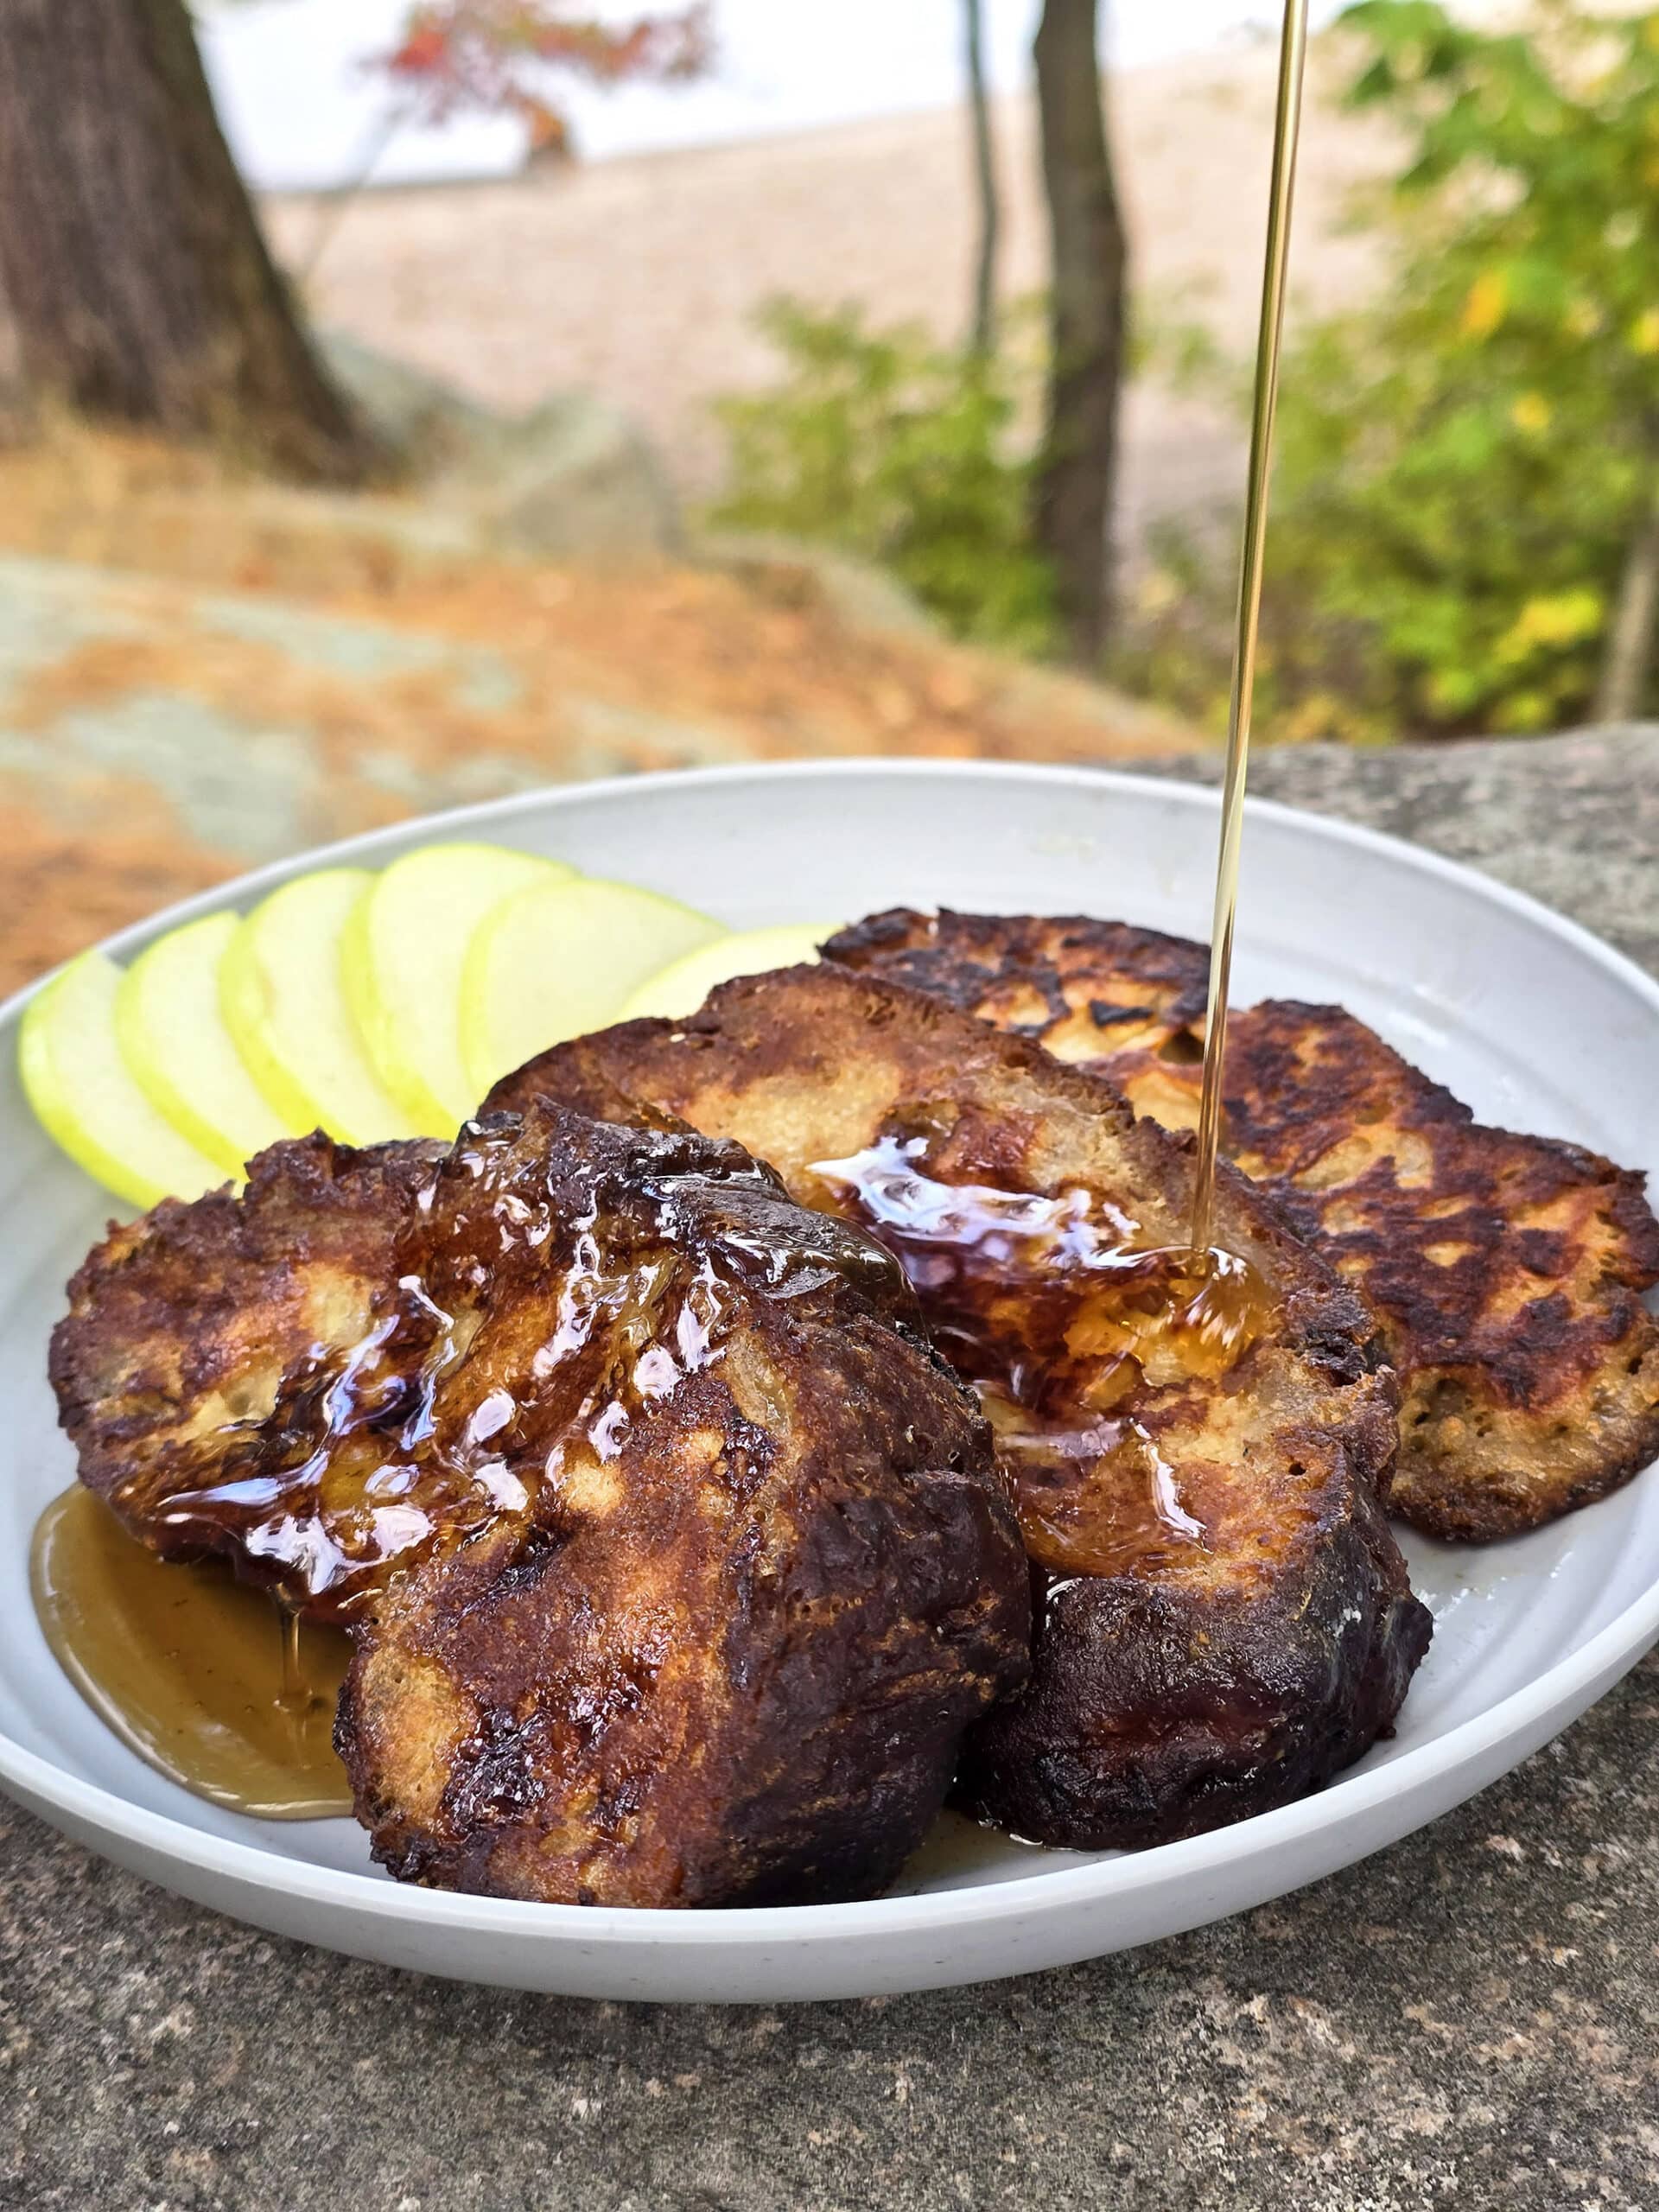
x=1077 y=986
x=1226 y=1620
x=760 y=1575
x=183 y=1325
x=675 y=1559
x=1506 y=1272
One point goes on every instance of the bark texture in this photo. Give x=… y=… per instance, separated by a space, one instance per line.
x=1088 y=323
x=130 y=258
x=1628 y=664
x=985 y=192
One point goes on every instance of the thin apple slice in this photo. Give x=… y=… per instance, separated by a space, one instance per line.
x=559 y=960
x=174 y=1040
x=284 y=1003
x=401 y=955
x=681 y=988
x=87 y=1097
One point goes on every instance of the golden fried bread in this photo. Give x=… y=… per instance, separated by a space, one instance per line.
x=1506 y=1272
x=1197 y=1456
x=1081 y=988
x=675 y=1559
x=763 y=1573
x=184 y=1325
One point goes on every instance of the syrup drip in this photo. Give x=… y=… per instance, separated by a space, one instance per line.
x=518 y=1313
x=521 y=1326
x=1059 y=1319
x=201 y=1676
x=1287 y=131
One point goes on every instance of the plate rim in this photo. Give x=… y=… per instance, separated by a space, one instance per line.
x=1096 y=1882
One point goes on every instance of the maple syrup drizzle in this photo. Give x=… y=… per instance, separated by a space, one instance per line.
x=356 y=1475
x=232 y=1695
x=1058 y=1317
x=202 y=1676
x=1287 y=131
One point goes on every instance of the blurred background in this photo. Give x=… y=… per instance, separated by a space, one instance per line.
x=402 y=404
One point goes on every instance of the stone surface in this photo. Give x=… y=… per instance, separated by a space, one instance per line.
x=801 y=568
x=423 y=420
x=160 y=730
x=1468 y=2019
x=571 y=479
x=1573 y=820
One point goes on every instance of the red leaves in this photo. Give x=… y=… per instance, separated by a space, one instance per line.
x=496 y=57
x=422 y=54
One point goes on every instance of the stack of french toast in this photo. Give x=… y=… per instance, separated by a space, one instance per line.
x=759 y=1429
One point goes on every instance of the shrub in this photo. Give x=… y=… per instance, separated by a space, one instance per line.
x=891 y=447
x=1466 y=473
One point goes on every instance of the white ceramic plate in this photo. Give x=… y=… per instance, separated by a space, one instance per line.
x=1533 y=1021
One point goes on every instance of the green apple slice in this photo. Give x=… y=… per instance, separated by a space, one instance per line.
x=558 y=960
x=681 y=988
x=87 y=1097
x=401 y=955
x=174 y=1040
x=284 y=1003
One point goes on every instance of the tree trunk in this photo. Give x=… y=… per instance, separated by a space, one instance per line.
x=990 y=213
x=130 y=254
x=1628 y=665
x=1088 y=322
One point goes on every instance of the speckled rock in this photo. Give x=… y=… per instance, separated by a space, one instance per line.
x=1573 y=820
x=1470 y=2019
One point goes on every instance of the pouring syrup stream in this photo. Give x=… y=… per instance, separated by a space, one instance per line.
x=1287 y=131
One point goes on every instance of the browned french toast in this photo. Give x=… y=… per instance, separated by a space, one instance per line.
x=675 y=1559
x=184 y=1325
x=1506 y=1272
x=1199 y=1455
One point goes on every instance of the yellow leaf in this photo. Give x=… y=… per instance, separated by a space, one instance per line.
x=1320 y=714
x=1645 y=332
x=1158 y=592
x=1562 y=617
x=1489 y=296
x=1524 y=710
x=1530 y=413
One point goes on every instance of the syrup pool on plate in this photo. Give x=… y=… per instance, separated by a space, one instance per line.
x=205 y=1678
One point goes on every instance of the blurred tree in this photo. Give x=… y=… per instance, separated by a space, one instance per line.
x=1465 y=520
x=1088 y=325
x=501 y=56
x=990 y=213
x=130 y=258
x=1535 y=170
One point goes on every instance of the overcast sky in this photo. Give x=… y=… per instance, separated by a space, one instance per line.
x=300 y=111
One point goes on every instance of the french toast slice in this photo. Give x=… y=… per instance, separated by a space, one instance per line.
x=1506 y=1272
x=751 y=1574
x=185 y=1324
x=1199 y=1453
x=675 y=1559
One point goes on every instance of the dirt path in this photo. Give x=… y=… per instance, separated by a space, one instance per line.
x=641 y=277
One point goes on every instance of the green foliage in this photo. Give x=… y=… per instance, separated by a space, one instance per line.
x=1461 y=469
x=901 y=451
x=1464 y=468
